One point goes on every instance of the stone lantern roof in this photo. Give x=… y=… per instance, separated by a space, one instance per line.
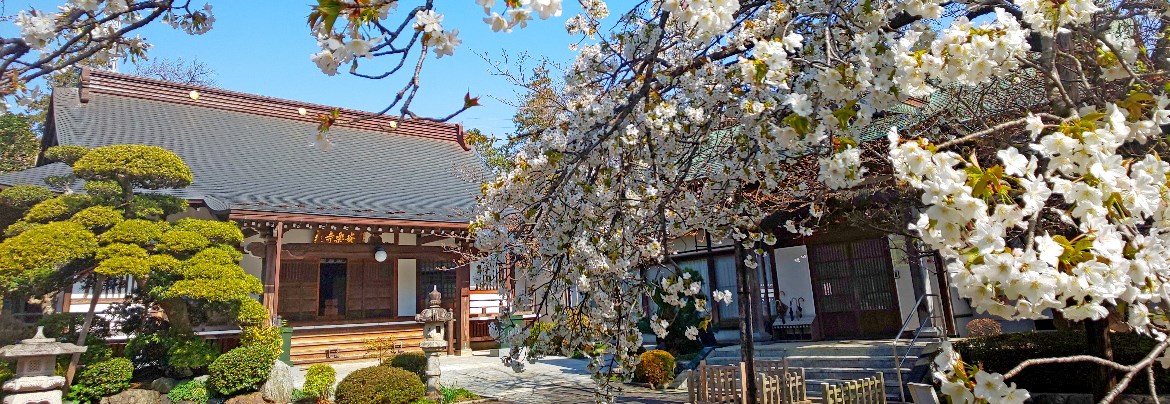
x=39 y=345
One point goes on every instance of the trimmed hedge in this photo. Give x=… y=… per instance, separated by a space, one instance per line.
x=102 y=379
x=240 y=370
x=380 y=385
x=319 y=381
x=414 y=362
x=656 y=367
x=1001 y=353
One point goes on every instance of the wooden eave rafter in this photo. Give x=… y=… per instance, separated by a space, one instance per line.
x=295 y=221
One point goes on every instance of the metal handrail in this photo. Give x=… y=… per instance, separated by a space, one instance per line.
x=931 y=317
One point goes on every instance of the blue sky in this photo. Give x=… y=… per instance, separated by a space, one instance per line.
x=263 y=47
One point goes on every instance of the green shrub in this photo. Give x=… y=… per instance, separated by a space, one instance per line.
x=264 y=338
x=190 y=390
x=1001 y=353
x=185 y=355
x=656 y=367
x=240 y=370
x=319 y=381
x=102 y=379
x=414 y=362
x=381 y=385
x=455 y=395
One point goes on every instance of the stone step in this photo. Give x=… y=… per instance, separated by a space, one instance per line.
x=820 y=350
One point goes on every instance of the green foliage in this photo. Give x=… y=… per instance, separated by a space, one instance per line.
x=251 y=313
x=121 y=250
x=1001 y=353
x=155 y=207
x=147 y=167
x=413 y=362
x=17 y=200
x=319 y=381
x=455 y=395
x=230 y=288
x=67 y=154
x=6 y=372
x=102 y=379
x=121 y=266
x=67 y=326
x=381 y=385
x=18 y=143
x=264 y=338
x=12 y=330
x=215 y=231
x=58 y=208
x=37 y=252
x=97 y=218
x=190 y=390
x=134 y=231
x=23 y=197
x=656 y=367
x=182 y=242
x=240 y=370
x=188 y=354
x=107 y=191
x=18 y=227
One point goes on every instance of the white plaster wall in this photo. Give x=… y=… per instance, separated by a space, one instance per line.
x=252 y=264
x=407 y=239
x=903 y=282
x=407 y=278
x=297 y=236
x=447 y=242
x=794 y=276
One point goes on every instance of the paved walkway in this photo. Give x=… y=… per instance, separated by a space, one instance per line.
x=552 y=380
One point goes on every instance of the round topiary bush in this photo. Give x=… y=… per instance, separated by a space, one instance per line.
x=191 y=390
x=240 y=370
x=656 y=368
x=414 y=362
x=983 y=327
x=380 y=385
x=319 y=381
x=102 y=379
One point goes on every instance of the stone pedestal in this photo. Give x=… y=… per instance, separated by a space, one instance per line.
x=434 y=319
x=35 y=382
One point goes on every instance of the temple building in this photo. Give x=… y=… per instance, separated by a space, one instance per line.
x=347 y=242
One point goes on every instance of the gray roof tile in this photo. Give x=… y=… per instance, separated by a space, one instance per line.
x=264 y=163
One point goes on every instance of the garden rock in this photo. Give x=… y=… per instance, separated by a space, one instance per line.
x=279 y=386
x=252 y=398
x=133 y=396
x=163 y=385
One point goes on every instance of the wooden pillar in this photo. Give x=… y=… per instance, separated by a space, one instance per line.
x=755 y=292
x=711 y=283
x=775 y=280
x=272 y=271
x=463 y=282
x=745 y=280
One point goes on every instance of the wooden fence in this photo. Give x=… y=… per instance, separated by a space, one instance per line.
x=870 y=390
x=723 y=384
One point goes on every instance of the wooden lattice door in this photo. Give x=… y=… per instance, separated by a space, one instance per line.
x=298 y=290
x=853 y=287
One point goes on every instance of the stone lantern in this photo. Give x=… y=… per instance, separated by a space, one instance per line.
x=36 y=358
x=434 y=318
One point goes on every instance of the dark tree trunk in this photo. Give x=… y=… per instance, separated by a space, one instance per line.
x=746 y=279
x=1103 y=379
x=177 y=316
x=83 y=333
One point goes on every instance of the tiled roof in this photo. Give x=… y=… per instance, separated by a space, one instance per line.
x=35 y=175
x=254 y=154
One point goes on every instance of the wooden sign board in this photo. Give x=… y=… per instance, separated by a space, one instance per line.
x=325 y=236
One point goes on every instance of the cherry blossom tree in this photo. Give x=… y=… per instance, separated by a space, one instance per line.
x=713 y=115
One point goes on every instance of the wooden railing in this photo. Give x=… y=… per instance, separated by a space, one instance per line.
x=870 y=390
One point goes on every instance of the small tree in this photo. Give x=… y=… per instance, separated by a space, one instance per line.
x=112 y=231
